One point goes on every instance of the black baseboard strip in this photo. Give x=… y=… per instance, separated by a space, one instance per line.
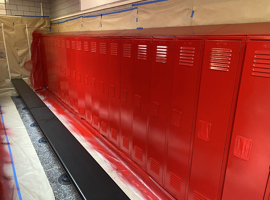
x=88 y=176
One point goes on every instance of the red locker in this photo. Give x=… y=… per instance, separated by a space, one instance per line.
x=218 y=90
x=88 y=65
x=94 y=93
x=114 y=58
x=183 y=106
x=65 y=92
x=249 y=158
x=102 y=84
x=161 y=80
x=141 y=91
x=80 y=65
x=127 y=57
x=60 y=68
x=71 y=63
x=44 y=60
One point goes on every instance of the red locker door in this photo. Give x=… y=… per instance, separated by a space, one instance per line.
x=141 y=91
x=72 y=76
x=114 y=89
x=127 y=57
x=94 y=67
x=267 y=190
x=219 y=83
x=102 y=84
x=80 y=76
x=44 y=61
x=185 y=88
x=161 y=78
x=249 y=159
x=87 y=78
x=60 y=68
x=64 y=63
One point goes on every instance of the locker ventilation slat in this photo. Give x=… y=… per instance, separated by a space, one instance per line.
x=114 y=134
x=63 y=44
x=261 y=64
x=93 y=47
x=142 y=52
x=125 y=142
x=187 y=56
x=127 y=50
x=68 y=44
x=114 y=49
x=220 y=59
x=104 y=127
x=198 y=196
x=138 y=153
x=161 y=54
x=79 y=45
x=102 y=49
x=73 y=44
x=175 y=182
x=154 y=166
x=86 y=48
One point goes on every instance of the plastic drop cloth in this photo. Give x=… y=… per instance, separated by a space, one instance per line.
x=32 y=181
x=127 y=175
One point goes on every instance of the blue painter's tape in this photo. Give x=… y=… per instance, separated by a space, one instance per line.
x=29 y=16
x=13 y=24
x=120 y=11
x=137 y=19
x=139 y=27
x=91 y=16
x=149 y=2
x=192 y=13
x=11 y=158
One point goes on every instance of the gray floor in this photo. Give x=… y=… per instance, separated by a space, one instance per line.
x=49 y=161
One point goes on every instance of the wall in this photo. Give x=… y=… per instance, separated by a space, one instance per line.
x=24 y=7
x=64 y=7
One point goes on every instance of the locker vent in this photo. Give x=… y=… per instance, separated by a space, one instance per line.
x=125 y=142
x=127 y=50
x=79 y=45
x=102 y=49
x=261 y=64
x=186 y=56
x=114 y=134
x=93 y=47
x=175 y=182
x=114 y=49
x=63 y=43
x=88 y=114
x=198 y=196
x=154 y=166
x=142 y=52
x=161 y=54
x=95 y=120
x=86 y=48
x=73 y=44
x=68 y=44
x=138 y=153
x=220 y=59
x=104 y=127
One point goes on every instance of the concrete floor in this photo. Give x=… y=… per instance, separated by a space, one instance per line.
x=48 y=159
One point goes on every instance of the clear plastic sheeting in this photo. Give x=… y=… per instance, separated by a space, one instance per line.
x=127 y=175
x=21 y=177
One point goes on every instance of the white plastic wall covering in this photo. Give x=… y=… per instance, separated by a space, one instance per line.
x=29 y=46
x=3 y=32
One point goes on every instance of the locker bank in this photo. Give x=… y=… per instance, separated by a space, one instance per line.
x=159 y=99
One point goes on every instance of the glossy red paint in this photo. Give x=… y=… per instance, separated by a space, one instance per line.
x=114 y=67
x=126 y=118
x=188 y=55
x=220 y=72
x=248 y=166
x=141 y=94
